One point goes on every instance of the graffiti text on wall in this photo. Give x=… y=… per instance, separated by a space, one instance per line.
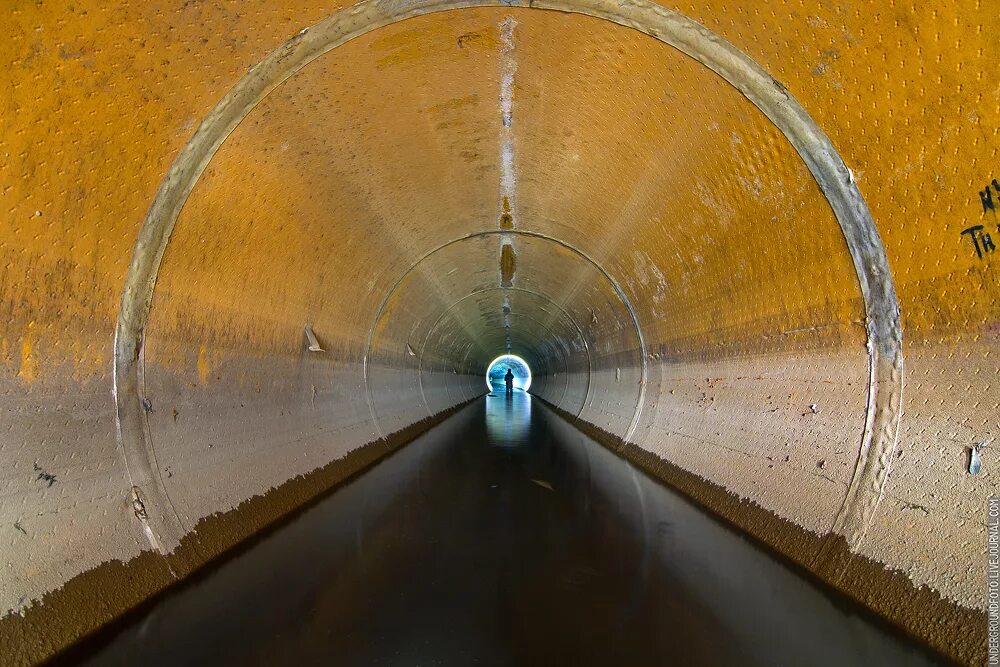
x=981 y=240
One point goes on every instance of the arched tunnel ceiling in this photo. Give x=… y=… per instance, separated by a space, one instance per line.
x=678 y=276
x=670 y=177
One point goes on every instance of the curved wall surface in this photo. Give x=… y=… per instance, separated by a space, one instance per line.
x=250 y=248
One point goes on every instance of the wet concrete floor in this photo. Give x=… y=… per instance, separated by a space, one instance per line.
x=503 y=537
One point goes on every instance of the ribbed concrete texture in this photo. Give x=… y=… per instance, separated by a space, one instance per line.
x=249 y=248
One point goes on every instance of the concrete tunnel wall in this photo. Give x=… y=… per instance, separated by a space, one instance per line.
x=659 y=243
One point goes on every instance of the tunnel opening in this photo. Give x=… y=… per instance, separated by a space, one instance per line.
x=498 y=368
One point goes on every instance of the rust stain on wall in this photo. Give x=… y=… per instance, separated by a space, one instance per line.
x=508 y=265
x=28 y=369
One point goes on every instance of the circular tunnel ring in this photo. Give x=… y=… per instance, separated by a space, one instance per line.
x=518 y=367
x=874 y=459
x=619 y=292
x=562 y=311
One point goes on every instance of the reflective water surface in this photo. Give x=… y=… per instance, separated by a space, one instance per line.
x=503 y=537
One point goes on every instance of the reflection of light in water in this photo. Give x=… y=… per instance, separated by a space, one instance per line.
x=508 y=418
x=498 y=368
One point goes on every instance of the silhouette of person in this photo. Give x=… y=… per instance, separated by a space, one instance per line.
x=509 y=380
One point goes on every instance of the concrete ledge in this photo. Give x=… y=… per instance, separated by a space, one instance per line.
x=954 y=633
x=67 y=620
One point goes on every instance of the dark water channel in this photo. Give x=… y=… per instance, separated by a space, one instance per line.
x=503 y=537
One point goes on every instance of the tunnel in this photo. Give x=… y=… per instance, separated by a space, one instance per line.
x=256 y=254
x=508 y=368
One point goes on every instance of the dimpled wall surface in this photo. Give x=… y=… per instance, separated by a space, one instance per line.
x=561 y=182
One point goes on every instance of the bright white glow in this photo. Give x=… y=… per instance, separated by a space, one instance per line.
x=520 y=367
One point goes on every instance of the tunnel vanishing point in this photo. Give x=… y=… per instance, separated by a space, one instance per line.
x=250 y=248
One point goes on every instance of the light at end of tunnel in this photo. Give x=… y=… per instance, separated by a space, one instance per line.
x=497 y=369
